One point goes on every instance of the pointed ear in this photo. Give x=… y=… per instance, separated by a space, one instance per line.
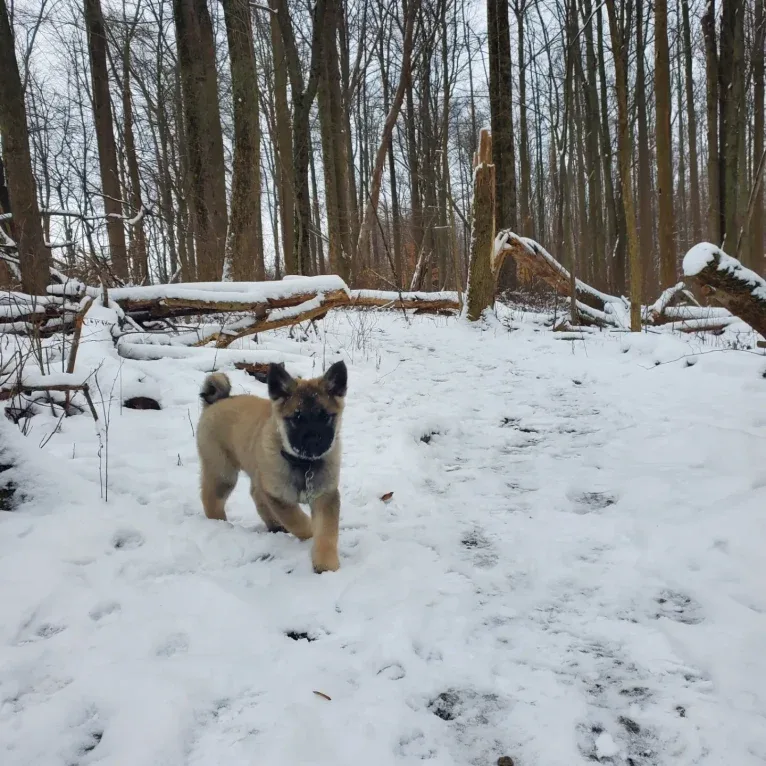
x=279 y=381
x=336 y=379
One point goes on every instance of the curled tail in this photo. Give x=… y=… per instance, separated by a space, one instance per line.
x=216 y=387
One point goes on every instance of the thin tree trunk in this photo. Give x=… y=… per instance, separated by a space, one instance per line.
x=139 y=254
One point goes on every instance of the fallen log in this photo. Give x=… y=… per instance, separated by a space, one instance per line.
x=540 y=264
x=726 y=281
x=419 y=301
x=212 y=359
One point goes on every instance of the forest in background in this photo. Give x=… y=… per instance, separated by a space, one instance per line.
x=150 y=141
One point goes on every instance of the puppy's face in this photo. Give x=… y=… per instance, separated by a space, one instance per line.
x=308 y=411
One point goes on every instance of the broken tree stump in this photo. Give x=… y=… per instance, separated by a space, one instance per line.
x=480 y=293
x=726 y=281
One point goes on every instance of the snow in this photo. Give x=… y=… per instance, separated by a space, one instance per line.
x=700 y=256
x=570 y=568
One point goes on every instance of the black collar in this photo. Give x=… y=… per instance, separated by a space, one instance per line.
x=304 y=464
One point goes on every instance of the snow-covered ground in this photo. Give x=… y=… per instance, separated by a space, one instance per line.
x=571 y=567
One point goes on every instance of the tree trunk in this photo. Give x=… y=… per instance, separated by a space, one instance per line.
x=204 y=140
x=245 y=243
x=615 y=220
x=756 y=224
x=668 y=270
x=645 y=218
x=731 y=78
x=619 y=46
x=283 y=146
x=595 y=216
x=527 y=228
x=715 y=211
x=501 y=110
x=695 y=202
x=26 y=228
x=107 y=150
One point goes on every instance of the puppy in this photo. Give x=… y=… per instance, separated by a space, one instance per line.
x=288 y=446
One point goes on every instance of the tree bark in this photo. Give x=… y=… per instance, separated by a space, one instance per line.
x=107 y=149
x=26 y=228
x=245 y=243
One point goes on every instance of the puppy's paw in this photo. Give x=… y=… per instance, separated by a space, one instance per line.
x=324 y=557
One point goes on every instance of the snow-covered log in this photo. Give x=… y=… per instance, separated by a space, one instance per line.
x=446 y=300
x=542 y=265
x=211 y=359
x=729 y=283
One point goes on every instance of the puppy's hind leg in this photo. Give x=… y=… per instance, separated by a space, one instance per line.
x=218 y=483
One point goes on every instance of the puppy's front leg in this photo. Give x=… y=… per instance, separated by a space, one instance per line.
x=325 y=515
x=291 y=517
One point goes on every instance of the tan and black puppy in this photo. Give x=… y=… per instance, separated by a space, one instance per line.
x=289 y=447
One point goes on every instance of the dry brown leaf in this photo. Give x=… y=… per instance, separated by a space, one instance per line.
x=385 y=498
x=323 y=696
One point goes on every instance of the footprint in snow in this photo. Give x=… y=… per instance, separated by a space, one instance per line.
x=175 y=643
x=127 y=539
x=678 y=607
x=100 y=611
x=591 y=502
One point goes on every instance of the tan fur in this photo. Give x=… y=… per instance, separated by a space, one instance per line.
x=242 y=433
